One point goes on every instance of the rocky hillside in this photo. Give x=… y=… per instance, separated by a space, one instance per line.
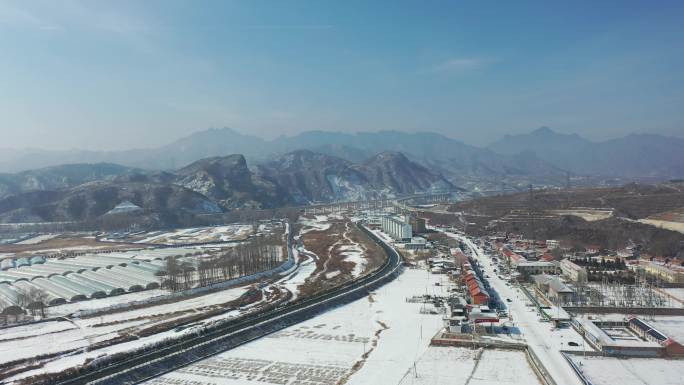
x=60 y=177
x=312 y=177
x=229 y=182
x=396 y=174
x=95 y=199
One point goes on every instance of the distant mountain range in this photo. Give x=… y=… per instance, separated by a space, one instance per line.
x=463 y=165
x=636 y=155
x=542 y=153
x=202 y=173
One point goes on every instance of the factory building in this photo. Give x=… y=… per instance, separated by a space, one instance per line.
x=397 y=228
x=553 y=288
x=645 y=342
x=527 y=269
x=671 y=275
x=649 y=333
x=573 y=271
x=417 y=224
x=552 y=244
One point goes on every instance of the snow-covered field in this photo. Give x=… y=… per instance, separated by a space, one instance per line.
x=324 y=349
x=59 y=336
x=504 y=367
x=329 y=349
x=631 y=371
x=354 y=253
x=669 y=225
x=298 y=277
x=675 y=292
x=587 y=214
x=104 y=303
x=37 y=239
x=200 y=235
x=450 y=366
x=672 y=326
x=344 y=247
x=317 y=223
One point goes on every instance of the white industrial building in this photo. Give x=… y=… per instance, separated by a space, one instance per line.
x=573 y=271
x=397 y=227
x=552 y=244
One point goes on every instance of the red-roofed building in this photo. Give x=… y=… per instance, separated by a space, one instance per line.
x=459 y=258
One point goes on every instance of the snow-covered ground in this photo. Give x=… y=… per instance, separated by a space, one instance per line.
x=344 y=246
x=200 y=235
x=324 y=349
x=317 y=223
x=450 y=365
x=58 y=336
x=541 y=337
x=504 y=367
x=675 y=292
x=329 y=349
x=104 y=303
x=37 y=239
x=51 y=337
x=354 y=253
x=298 y=277
x=631 y=371
x=672 y=326
x=587 y=214
x=669 y=225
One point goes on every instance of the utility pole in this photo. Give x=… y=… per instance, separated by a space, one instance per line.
x=530 y=210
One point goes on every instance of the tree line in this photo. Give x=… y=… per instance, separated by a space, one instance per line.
x=189 y=271
x=603 y=264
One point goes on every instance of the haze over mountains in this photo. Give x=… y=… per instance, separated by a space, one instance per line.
x=542 y=152
x=635 y=155
x=220 y=169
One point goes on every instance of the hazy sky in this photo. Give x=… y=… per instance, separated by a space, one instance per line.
x=119 y=74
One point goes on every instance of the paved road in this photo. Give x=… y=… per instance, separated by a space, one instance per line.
x=539 y=336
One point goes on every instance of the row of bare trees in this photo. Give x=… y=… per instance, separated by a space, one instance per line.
x=182 y=273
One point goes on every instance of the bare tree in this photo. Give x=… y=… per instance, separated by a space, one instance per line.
x=35 y=300
x=40 y=298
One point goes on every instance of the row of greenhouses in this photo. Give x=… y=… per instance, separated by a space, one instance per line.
x=58 y=281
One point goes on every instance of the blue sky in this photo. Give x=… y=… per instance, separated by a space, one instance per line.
x=118 y=74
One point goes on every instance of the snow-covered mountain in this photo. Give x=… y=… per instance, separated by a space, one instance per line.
x=312 y=177
x=214 y=185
